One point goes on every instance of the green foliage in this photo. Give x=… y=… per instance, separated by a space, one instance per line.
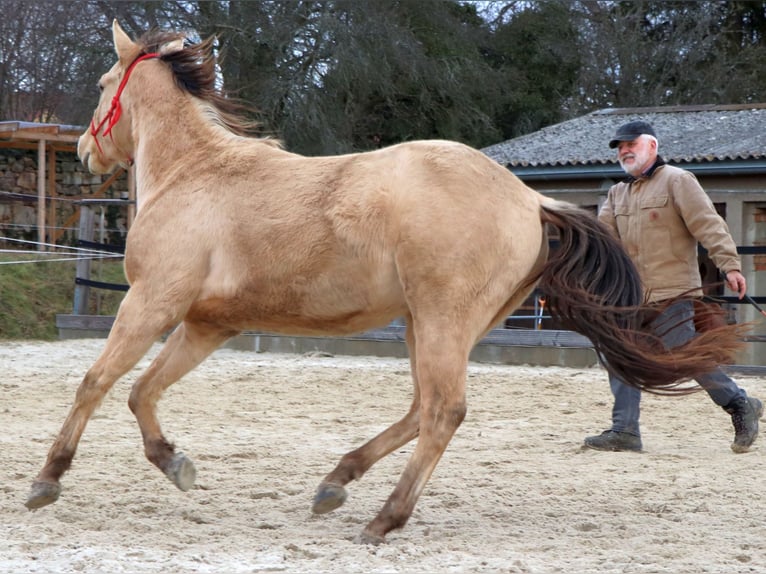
x=538 y=55
x=32 y=294
x=333 y=77
x=405 y=70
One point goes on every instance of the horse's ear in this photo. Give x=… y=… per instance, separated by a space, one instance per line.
x=123 y=45
x=172 y=47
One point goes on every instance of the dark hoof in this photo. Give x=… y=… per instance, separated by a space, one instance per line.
x=42 y=494
x=328 y=498
x=181 y=471
x=369 y=539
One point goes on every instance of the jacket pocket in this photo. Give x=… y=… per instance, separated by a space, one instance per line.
x=656 y=211
x=655 y=200
x=622 y=220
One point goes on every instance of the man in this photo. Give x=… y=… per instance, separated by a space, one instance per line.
x=660 y=213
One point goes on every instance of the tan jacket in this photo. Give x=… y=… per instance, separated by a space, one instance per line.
x=660 y=218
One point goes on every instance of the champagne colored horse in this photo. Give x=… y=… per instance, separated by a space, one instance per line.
x=235 y=233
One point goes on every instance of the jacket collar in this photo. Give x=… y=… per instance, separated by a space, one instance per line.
x=658 y=163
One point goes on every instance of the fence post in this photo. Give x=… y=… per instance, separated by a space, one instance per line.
x=85 y=233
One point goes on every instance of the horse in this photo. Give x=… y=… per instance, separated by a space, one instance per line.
x=234 y=232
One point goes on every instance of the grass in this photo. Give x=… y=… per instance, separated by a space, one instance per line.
x=32 y=294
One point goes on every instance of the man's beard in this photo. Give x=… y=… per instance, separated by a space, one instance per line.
x=639 y=161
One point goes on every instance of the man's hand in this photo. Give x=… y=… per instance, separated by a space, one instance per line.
x=736 y=282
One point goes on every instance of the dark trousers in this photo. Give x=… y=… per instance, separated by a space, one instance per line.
x=627 y=400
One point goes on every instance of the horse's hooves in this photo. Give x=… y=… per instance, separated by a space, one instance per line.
x=42 y=494
x=328 y=498
x=181 y=472
x=365 y=537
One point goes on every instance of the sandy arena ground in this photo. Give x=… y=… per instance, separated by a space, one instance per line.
x=513 y=493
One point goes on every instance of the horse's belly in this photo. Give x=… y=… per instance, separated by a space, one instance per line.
x=331 y=304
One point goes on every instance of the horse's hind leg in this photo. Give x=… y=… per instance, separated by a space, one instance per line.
x=131 y=337
x=186 y=348
x=442 y=361
x=331 y=492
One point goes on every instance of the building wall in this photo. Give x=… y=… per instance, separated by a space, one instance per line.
x=19 y=202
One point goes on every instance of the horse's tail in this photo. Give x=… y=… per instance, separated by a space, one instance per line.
x=593 y=287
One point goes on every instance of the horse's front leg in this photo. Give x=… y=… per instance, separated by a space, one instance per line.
x=186 y=348
x=331 y=493
x=130 y=338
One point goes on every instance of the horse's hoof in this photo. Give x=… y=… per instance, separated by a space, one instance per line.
x=181 y=471
x=328 y=498
x=42 y=494
x=365 y=537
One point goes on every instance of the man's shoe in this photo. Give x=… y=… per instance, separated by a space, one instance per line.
x=614 y=441
x=745 y=413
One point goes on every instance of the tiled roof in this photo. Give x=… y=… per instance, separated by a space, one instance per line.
x=686 y=134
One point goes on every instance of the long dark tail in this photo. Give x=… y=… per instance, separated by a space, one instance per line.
x=593 y=287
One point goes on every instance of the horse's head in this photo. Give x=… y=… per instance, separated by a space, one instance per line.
x=108 y=141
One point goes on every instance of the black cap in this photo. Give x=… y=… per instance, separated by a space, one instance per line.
x=630 y=131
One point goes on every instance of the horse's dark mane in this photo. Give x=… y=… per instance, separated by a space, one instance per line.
x=194 y=71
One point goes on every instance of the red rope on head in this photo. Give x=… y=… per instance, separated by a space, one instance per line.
x=115 y=109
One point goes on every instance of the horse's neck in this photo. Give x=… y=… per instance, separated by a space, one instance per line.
x=166 y=148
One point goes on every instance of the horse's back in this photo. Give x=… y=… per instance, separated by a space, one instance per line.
x=439 y=191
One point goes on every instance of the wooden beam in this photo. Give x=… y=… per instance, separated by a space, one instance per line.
x=82 y=292
x=104 y=186
x=53 y=233
x=40 y=195
x=131 y=195
x=9 y=126
x=14 y=130
x=30 y=144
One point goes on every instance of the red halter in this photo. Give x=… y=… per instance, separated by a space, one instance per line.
x=115 y=110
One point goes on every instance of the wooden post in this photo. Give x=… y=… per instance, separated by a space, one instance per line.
x=41 y=195
x=131 y=195
x=53 y=234
x=82 y=292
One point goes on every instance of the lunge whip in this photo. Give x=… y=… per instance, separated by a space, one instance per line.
x=750 y=300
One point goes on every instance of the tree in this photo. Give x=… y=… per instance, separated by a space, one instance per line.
x=330 y=76
x=50 y=50
x=655 y=53
x=341 y=75
x=397 y=71
x=537 y=52
x=39 y=56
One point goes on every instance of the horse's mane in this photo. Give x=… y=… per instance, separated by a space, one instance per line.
x=195 y=72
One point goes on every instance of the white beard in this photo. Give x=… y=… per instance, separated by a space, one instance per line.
x=640 y=159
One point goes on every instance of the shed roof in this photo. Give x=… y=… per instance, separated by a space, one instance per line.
x=62 y=135
x=686 y=134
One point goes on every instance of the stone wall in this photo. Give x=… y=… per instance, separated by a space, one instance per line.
x=18 y=198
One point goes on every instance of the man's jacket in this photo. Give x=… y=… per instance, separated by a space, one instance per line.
x=660 y=217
